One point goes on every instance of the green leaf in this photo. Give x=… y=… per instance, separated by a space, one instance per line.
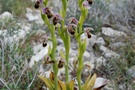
x=71 y=85
x=61 y=85
x=91 y=82
x=47 y=82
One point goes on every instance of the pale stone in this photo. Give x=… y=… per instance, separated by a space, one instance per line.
x=108 y=53
x=100 y=40
x=100 y=61
x=131 y=71
x=38 y=54
x=112 y=33
x=6 y=16
x=100 y=82
x=32 y=15
x=86 y=55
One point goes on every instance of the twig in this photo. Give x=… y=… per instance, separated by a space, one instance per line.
x=32 y=79
x=5 y=84
x=20 y=76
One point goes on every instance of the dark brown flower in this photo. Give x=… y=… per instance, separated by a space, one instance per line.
x=56 y=19
x=90 y=2
x=37 y=3
x=61 y=64
x=87 y=31
x=71 y=29
x=48 y=61
x=44 y=43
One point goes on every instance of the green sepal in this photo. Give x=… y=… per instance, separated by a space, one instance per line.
x=45 y=2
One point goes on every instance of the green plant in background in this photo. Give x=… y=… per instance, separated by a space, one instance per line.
x=74 y=28
x=14 y=74
x=16 y=7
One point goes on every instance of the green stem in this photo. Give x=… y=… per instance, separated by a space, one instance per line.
x=67 y=48
x=66 y=40
x=80 y=66
x=55 y=66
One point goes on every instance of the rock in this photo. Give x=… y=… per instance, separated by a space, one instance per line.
x=60 y=47
x=74 y=45
x=100 y=82
x=131 y=71
x=108 y=53
x=6 y=16
x=117 y=45
x=109 y=86
x=34 y=16
x=3 y=32
x=86 y=55
x=100 y=41
x=100 y=61
x=21 y=34
x=59 y=41
x=40 y=52
x=112 y=33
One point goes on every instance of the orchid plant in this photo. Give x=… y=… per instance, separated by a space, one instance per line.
x=56 y=22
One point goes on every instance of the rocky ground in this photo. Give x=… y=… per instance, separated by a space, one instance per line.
x=104 y=49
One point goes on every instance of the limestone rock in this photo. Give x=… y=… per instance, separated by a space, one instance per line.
x=6 y=16
x=108 y=53
x=100 y=82
x=131 y=71
x=112 y=33
x=32 y=15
